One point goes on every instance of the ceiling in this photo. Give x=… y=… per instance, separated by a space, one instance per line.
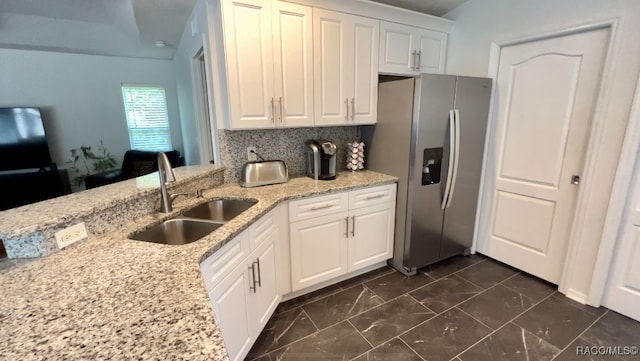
x=127 y=28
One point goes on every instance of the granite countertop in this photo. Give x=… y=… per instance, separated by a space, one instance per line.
x=114 y=298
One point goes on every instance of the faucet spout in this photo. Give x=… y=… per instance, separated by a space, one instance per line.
x=166 y=174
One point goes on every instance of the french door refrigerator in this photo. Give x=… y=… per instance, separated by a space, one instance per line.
x=430 y=133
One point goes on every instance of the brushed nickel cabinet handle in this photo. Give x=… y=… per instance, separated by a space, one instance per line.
x=346 y=231
x=321 y=207
x=259 y=273
x=413 y=57
x=346 y=104
x=353 y=226
x=253 y=278
x=353 y=109
x=375 y=197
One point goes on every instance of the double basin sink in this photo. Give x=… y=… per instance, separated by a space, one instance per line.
x=195 y=223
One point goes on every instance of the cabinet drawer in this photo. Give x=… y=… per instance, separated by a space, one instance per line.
x=260 y=230
x=219 y=264
x=370 y=196
x=307 y=208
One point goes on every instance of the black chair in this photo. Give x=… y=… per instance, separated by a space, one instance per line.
x=136 y=163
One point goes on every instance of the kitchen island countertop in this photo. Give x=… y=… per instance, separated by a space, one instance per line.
x=113 y=298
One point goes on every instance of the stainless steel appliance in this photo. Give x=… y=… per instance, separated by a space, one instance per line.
x=430 y=133
x=264 y=172
x=321 y=159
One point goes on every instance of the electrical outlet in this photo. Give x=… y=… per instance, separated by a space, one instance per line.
x=251 y=155
x=71 y=235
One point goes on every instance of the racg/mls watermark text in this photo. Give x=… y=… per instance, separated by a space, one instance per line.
x=607 y=350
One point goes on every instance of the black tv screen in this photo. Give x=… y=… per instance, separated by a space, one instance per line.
x=23 y=142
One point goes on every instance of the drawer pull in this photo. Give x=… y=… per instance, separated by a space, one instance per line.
x=253 y=278
x=346 y=223
x=353 y=226
x=375 y=197
x=321 y=207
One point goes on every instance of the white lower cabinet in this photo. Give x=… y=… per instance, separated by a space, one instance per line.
x=342 y=241
x=246 y=293
x=371 y=235
x=318 y=249
x=329 y=236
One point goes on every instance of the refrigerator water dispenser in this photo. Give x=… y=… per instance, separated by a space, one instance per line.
x=431 y=165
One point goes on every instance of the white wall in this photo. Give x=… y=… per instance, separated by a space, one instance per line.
x=478 y=23
x=80 y=96
x=183 y=59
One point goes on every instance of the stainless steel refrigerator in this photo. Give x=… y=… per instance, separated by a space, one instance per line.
x=430 y=133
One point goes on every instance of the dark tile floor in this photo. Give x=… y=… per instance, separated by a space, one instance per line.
x=462 y=309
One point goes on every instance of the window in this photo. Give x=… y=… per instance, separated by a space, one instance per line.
x=147 y=119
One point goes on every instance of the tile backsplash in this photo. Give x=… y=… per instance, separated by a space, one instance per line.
x=282 y=144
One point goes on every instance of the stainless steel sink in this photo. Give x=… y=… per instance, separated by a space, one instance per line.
x=195 y=223
x=220 y=210
x=176 y=231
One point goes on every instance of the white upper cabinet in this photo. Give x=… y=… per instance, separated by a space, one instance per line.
x=408 y=50
x=268 y=56
x=249 y=55
x=345 y=68
x=293 y=60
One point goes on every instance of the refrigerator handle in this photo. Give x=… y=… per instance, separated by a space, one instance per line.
x=452 y=134
x=456 y=156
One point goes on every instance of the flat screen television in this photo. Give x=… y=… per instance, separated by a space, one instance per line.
x=23 y=141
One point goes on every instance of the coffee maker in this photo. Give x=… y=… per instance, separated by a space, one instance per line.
x=321 y=159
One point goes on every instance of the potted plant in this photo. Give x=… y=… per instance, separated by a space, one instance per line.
x=84 y=162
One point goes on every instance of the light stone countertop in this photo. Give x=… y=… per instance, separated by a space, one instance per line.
x=111 y=298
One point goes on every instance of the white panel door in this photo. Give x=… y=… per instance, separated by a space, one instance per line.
x=622 y=293
x=234 y=307
x=546 y=91
x=318 y=249
x=293 y=64
x=364 y=101
x=248 y=47
x=432 y=50
x=371 y=235
x=331 y=78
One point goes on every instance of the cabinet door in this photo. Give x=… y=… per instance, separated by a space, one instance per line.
x=267 y=294
x=332 y=79
x=248 y=48
x=318 y=249
x=397 y=49
x=233 y=305
x=364 y=101
x=432 y=46
x=371 y=235
x=293 y=64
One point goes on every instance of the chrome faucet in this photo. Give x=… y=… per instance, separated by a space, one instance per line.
x=166 y=174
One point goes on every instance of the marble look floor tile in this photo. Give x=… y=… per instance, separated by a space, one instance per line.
x=579 y=350
x=394 y=350
x=445 y=293
x=309 y=297
x=555 y=321
x=487 y=273
x=599 y=311
x=530 y=286
x=336 y=343
x=341 y=305
x=450 y=265
x=614 y=329
x=445 y=335
x=281 y=330
x=497 y=306
x=391 y=319
x=511 y=343
x=395 y=284
x=357 y=280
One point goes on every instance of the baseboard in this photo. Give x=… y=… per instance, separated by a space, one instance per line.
x=576 y=296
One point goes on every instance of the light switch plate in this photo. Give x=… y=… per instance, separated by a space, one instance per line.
x=71 y=235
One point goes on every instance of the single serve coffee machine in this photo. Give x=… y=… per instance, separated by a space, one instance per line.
x=321 y=159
